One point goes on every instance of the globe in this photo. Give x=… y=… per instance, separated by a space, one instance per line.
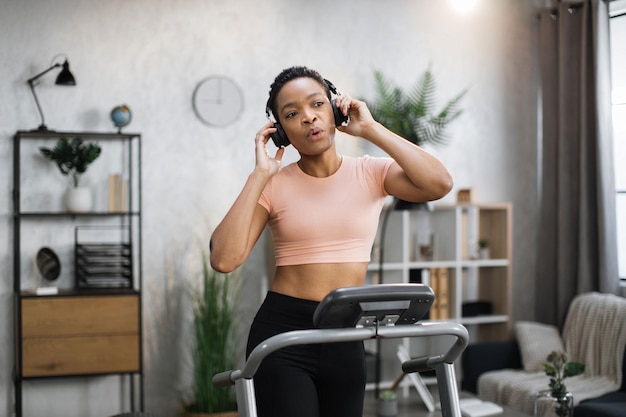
x=121 y=116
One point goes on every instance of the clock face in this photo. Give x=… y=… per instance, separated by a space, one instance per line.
x=217 y=101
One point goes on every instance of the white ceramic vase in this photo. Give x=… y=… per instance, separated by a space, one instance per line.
x=78 y=199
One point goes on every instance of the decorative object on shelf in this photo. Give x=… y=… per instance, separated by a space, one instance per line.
x=73 y=157
x=411 y=114
x=49 y=267
x=483 y=249
x=464 y=196
x=217 y=101
x=214 y=342
x=117 y=193
x=65 y=77
x=121 y=116
x=557 y=401
x=103 y=257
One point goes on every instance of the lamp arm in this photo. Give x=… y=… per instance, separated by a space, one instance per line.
x=42 y=126
x=41 y=74
x=31 y=84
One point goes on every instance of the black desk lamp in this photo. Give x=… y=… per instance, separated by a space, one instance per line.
x=65 y=77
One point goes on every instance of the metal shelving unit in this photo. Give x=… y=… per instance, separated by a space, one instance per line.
x=106 y=337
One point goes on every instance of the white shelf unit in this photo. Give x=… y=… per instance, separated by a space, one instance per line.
x=453 y=231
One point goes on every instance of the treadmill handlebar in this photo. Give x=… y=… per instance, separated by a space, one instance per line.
x=313 y=336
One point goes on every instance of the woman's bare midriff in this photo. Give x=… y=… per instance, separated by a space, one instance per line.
x=315 y=281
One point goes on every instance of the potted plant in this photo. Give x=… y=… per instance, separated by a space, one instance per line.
x=411 y=114
x=73 y=157
x=483 y=249
x=557 y=400
x=387 y=405
x=213 y=345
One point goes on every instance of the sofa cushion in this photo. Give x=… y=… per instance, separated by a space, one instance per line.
x=479 y=358
x=536 y=341
x=609 y=405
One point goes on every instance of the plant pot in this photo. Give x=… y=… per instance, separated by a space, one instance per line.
x=387 y=408
x=78 y=199
x=547 y=405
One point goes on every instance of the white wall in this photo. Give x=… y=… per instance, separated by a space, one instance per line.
x=150 y=54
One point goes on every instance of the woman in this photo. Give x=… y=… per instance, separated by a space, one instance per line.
x=323 y=211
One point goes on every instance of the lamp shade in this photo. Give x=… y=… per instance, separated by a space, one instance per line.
x=65 y=77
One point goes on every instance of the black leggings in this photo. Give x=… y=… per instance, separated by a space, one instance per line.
x=318 y=380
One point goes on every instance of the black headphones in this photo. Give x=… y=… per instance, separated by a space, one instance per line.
x=280 y=138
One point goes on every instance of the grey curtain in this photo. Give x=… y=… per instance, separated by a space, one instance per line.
x=577 y=243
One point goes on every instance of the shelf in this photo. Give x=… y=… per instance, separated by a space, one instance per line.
x=27 y=214
x=69 y=292
x=76 y=332
x=484 y=263
x=47 y=134
x=449 y=235
x=499 y=318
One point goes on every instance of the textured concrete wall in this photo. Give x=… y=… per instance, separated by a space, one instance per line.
x=151 y=54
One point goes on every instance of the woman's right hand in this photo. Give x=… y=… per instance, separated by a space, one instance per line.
x=264 y=160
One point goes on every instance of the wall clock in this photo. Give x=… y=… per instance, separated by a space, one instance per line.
x=217 y=101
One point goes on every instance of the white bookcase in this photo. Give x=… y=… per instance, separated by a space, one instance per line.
x=453 y=233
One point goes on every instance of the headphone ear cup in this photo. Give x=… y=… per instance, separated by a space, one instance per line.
x=340 y=118
x=279 y=137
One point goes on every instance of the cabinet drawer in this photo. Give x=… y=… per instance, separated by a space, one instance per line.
x=80 y=335
x=80 y=316
x=80 y=355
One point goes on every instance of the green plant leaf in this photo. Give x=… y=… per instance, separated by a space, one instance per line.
x=573 y=369
x=213 y=344
x=412 y=115
x=72 y=157
x=549 y=369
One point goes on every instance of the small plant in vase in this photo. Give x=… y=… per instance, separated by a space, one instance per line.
x=558 y=367
x=388 y=399
x=73 y=157
x=483 y=249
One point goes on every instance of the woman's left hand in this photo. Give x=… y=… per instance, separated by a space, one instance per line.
x=360 y=117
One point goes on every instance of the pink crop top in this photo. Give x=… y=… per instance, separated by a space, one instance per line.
x=326 y=220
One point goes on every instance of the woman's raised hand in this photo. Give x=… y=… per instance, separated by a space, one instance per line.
x=264 y=160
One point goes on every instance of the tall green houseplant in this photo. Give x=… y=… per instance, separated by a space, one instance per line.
x=213 y=341
x=411 y=113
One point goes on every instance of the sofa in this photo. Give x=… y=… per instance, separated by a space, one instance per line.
x=510 y=372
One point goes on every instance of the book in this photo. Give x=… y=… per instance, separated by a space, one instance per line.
x=118 y=193
x=434 y=285
x=443 y=294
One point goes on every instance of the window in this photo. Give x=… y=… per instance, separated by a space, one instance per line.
x=618 y=97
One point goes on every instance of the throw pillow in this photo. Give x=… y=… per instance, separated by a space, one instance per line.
x=535 y=342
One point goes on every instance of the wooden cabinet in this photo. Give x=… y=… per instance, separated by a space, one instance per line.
x=80 y=335
x=419 y=244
